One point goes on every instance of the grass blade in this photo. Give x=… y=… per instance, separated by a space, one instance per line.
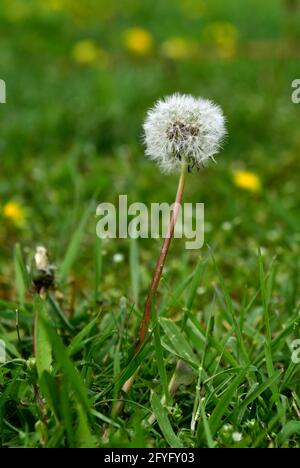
x=43 y=351
x=98 y=266
x=219 y=347
x=67 y=366
x=178 y=342
x=134 y=270
x=223 y=403
x=199 y=270
x=22 y=279
x=160 y=359
x=258 y=390
x=73 y=248
x=164 y=423
x=291 y=427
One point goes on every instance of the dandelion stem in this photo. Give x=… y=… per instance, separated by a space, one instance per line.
x=161 y=261
x=118 y=407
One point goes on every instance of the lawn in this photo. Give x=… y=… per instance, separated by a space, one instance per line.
x=217 y=368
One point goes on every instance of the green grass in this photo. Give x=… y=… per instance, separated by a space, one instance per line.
x=71 y=138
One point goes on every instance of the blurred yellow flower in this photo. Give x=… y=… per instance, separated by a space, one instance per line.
x=81 y=12
x=224 y=36
x=16 y=10
x=15 y=213
x=86 y=52
x=247 y=180
x=138 y=41
x=179 y=48
x=55 y=5
x=192 y=8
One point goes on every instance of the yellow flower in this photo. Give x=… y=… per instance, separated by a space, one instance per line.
x=81 y=13
x=247 y=180
x=54 y=5
x=179 y=48
x=224 y=36
x=86 y=52
x=15 y=213
x=192 y=8
x=138 y=41
x=16 y=10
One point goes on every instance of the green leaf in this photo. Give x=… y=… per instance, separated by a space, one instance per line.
x=73 y=248
x=174 y=297
x=22 y=279
x=207 y=431
x=84 y=437
x=258 y=390
x=230 y=314
x=43 y=352
x=224 y=401
x=134 y=269
x=67 y=366
x=66 y=410
x=98 y=265
x=291 y=427
x=160 y=359
x=178 y=342
x=217 y=345
x=164 y=423
x=57 y=312
x=131 y=367
x=266 y=284
x=49 y=391
x=195 y=283
x=79 y=341
x=4 y=396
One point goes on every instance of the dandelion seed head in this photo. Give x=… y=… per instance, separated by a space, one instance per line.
x=183 y=127
x=41 y=258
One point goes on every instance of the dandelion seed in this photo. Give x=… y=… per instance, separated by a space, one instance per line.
x=182 y=127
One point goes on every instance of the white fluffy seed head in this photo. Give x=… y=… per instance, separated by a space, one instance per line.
x=41 y=258
x=181 y=127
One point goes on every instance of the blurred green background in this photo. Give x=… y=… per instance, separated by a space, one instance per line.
x=80 y=76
